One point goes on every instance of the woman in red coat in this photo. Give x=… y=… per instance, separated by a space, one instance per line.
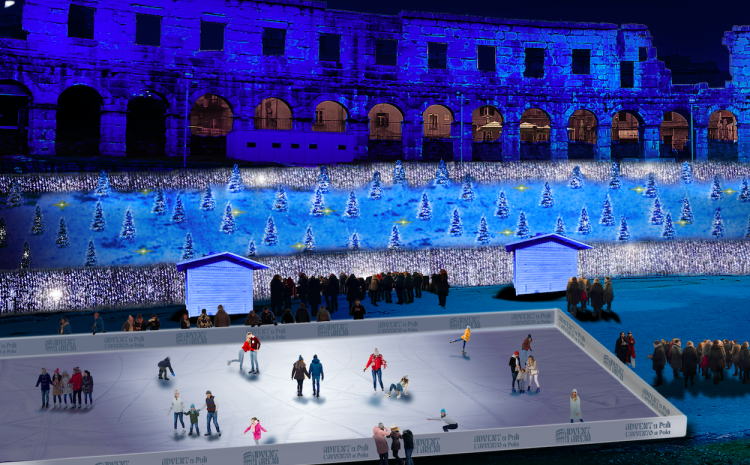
x=631 y=350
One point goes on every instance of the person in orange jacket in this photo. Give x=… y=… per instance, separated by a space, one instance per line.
x=465 y=338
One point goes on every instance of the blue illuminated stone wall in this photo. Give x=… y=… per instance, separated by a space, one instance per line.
x=49 y=61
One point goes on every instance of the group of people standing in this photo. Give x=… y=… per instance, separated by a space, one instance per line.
x=66 y=387
x=625 y=349
x=381 y=432
x=707 y=356
x=523 y=368
x=210 y=406
x=584 y=291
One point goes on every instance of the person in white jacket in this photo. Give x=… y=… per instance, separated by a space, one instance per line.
x=401 y=387
x=179 y=408
x=575 y=407
x=532 y=373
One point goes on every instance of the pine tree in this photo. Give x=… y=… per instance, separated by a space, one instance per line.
x=91 y=259
x=103 y=189
x=560 y=226
x=523 y=231
x=651 y=190
x=624 y=233
x=38 y=227
x=353 y=242
x=318 y=205
x=15 y=199
x=718 y=225
x=716 y=193
x=425 y=209
x=282 y=201
x=686 y=214
x=456 y=228
x=309 y=240
x=607 y=219
x=270 y=236
x=208 y=202
x=467 y=189
x=160 y=203
x=187 y=249
x=669 y=232
x=62 y=235
x=584 y=224
x=744 y=191
x=3 y=234
x=483 y=236
x=324 y=182
x=376 y=192
x=235 y=181
x=252 y=251
x=747 y=234
x=394 y=243
x=228 y=225
x=547 y=200
x=352 y=206
x=502 y=210
x=128 y=227
x=657 y=216
x=99 y=224
x=614 y=176
x=178 y=214
x=687 y=173
x=26 y=257
x=399 y=176
x=441 y=175
x=576 y=179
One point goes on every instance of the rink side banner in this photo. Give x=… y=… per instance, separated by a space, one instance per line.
x=619 y=370
x=121 y=341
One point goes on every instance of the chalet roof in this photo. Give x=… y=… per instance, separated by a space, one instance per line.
x=539 y=239
x=218 y=257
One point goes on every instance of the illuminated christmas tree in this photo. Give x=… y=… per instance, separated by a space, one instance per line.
x=252 y=251
x=103 y=189
x=686 y=214
x=160 y=203
x=744 y=191
x=352 y=206
x=657 y=217
x=98 y=224
x=208 y=202
x=235 y=181
x=456 y=229
x=62 y=235
x=15 y=199
x=467 y=189
x=502 y=210
x=718 y=225
x=614 y=176
x=353 y=242
x=547 y=200
x=607 y=219
x=128 y=227
x=3 y=234
x=669 y=231
x=716 y=193
x=687 y=173
x=584 y=224
x=324 y=182
x=376 y=192
x=576 y=179
x=228 y=225
x=38 y=226
x=91 y=259
x=26 y=256
x=187 y=249
x=318 y=206
x=425 y=209
x=523 y=231
x=483 y=236
x=399 y=176
x=309 y=240
x=441 y=175
x=651 y=189
x=178 y=214
x=560 y=226
x=624 y=233
x=270 y=236
x=282 y=201
x=394 y=243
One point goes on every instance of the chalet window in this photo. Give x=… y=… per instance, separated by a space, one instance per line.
x=81 y=21
x=485 y=58
x=437 y=55
x=251 y=145
x=319 y=116
x=642 y=53
x=295 y=146
x=330 y=47
x=627 y=79
x=147 y=30
x=342 y=147
x=386 y=52
x=273 y=41
x=212 y=36
x=534 y=63
x=313 y=146
x=581 y=61
x=276 y=145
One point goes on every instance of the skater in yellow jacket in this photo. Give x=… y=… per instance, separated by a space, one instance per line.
x=465 y=338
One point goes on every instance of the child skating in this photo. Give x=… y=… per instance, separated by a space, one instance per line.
x=193 y=413
x=316 y=372
x=465 y=338
x=521 y=378
x=255 y=428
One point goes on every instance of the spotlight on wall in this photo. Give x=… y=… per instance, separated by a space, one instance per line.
x=55 y=294
x=9 y=3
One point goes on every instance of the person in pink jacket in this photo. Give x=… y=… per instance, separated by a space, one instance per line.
x=379 y=433
x=256 y=429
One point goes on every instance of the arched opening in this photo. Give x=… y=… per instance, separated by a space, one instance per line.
x=78 y=130
x=582 y=126
x=486 y=131
x=627 y=135
x=211 y=119
x=146 y=127
x=535 y=135
x=385 y=132
x=330 y=117
x=722 y=136
x=14 y=118
x=674 y=136
x=274 y=114
x=436 y=132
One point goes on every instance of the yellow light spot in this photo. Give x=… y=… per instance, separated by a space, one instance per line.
x=507 y=232
x=143 y=251
x=682 y=222
x=521 y=188
x=237 y=211
x=638 y=189
x=298 y=246
x=403 y=222
x=729 y=191
x=328 y=211
x=61 y=204
x=145 y=191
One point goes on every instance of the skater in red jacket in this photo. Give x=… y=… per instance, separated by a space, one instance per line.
x=252 y=345
x=75 y=380
x=377 y=361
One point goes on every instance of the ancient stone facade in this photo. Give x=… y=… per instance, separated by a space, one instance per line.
x=426 y=73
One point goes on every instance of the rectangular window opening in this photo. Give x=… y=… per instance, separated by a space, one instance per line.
x=276 y=145
x=212 y=36
x=581 y=61
x=147 y=30
x=386 y=52
x=627 y=77
x=274 y=41
x=534 y=63
x=81 y=21
x=642 y=53
x=437 y=55
x=486 y=58
x=251 y=145
x=330 y=47
x=342 y=147
x=295 y=146
x=313 y=146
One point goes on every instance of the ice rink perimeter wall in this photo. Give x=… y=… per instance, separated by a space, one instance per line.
x=668 y=422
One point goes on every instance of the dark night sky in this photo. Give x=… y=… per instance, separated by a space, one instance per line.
x=689 y=26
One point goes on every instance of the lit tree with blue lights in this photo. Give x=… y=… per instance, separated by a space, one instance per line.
x=15 y=199
x=160 y=203
x=456 y=229
x=624 y=233
x=252 y=251
x=208 y=202
x=394 y=243
x=502 y=210
x=309 y=240
x=38 y=226
x=376 y=192
x=324 y=181
x=3 y=234
x=91 y=259
x=614 y=176
x=399 y=176
x=651 y=190
x=235 y=181
x=228 y=225
x=584 y=224
x=523 y=231
x=467 y=189
x=352 y=206
x=669 y=232
x=607 y=219
x=26 y=256
x=657 y=216
x=187 y=249
x=560 y=226
x=99 y=224
x=744 y=191
x=178 y=214
x=576 y=179
x=425 y=209
x=716 y=193
x=270 y=236
x=687 y=173
x=318 y=206
x=282 y=201
x=718 y=225
x=128 y=227
x=353 y=242
x=62 y=235
x=686 y=214
x=441 y=175
x=483 y=236
x=547 y=200
x=103 y=189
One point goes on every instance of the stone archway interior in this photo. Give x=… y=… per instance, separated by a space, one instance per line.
x=486 y=124
x=211 y=116
x=582 y=127
x=535 y=126
x=437 y=122
x=330 y=117
x=385 y=122
x=274 y=114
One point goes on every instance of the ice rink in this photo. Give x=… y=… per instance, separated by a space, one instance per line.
x=131 y=403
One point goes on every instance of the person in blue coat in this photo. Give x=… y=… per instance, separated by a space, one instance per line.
x=64 y=327
x=45 y=381
x=316 y=372
x=98 y=324
x=163 y=365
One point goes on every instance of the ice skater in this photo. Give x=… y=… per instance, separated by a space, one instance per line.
x=378 y=364
x=532 y=372
x=575 y=407
x=87 y=385
x=163 y=365
x=212 y=407
x=256 y=429
x=525 y=349
x=67 y=390
x=57 y=388
x=252 y=344
x=75 y=380
x=465 y=338
x=515 y=367
x=521 y=378
x=299 y=371
x=45 y=381
x=179 y=408
x=401 y=387
x=449 y=422
x=316 y=372
x=193 y=413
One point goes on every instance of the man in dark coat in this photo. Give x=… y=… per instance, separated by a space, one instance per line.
x=302 y=315
x=573 y=294
x=597 y=298
x=267 y=318
x=277 y=294
x=690 y=362
x=717 y=360
x=400 y=286
x=287 y=316
x=358 y=311
x=609 y=295
x=387 y=288
x=352 y=290
x=221 y=319
x=302 y=287
x=418 y=280
x=745 y=363
x=676 y=361
x=442 y=289
x=515 y=366
x=659 y=359
x=313 y=294
x=252 y=319
x=45 y=381
x=409 y=286
x=333 y=292
x=621 y=348
x=163 y=365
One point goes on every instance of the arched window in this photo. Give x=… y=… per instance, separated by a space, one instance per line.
x=722 y=136
x=582 y=127
x=437 y=122
x=14 y=106
x=535 y=126
x=211 y=116
x=330 y=117
x=674 y=135
x=486 y=124
x=385 y=122
x=146 y=128
x=273 y=114
x=627 y=139
x=78 y=129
